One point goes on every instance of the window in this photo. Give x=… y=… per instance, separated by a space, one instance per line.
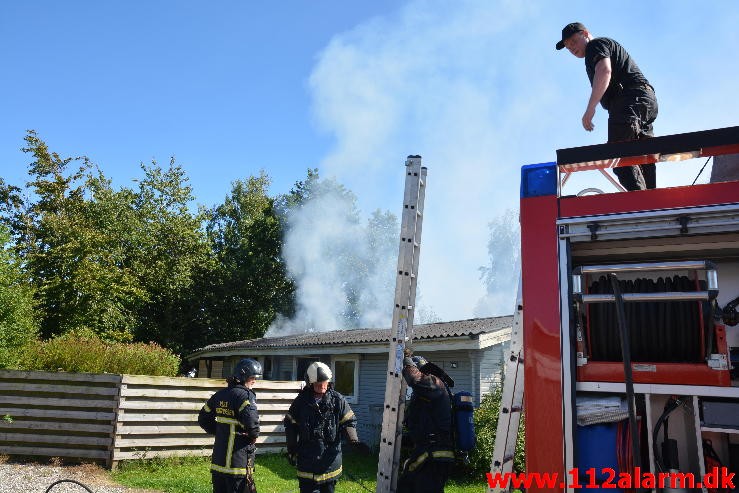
x=346 y=377
x=301 y=365
x=266 y=367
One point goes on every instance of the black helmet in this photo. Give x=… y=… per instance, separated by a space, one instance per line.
x=247 y=368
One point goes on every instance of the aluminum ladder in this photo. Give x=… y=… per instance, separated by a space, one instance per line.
x=511 y=402
x=402 y=326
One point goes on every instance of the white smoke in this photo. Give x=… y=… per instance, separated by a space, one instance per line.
x=433 y=80
x=343 y=269
x=477 y=88
x=501 y=275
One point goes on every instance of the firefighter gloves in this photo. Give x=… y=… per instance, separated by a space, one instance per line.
x=410 y=360
x=419 y=361
x=408 y=357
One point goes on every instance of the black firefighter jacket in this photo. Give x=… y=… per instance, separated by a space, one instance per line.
x=231 y=415
x=314 y=433
x=428 y=418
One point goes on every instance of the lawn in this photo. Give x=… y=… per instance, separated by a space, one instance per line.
x=273 y=474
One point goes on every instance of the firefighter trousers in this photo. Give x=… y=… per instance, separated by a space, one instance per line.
x=308 y=486
x=430 y=477
x=228 y=483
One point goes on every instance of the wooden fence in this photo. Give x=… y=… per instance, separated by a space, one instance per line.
x=68 y=415
x=109 y=418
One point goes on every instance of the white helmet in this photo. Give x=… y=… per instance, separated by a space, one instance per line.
x=318 y=372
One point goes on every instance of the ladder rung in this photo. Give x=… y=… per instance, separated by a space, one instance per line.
x=506 y=459
x=512 y=409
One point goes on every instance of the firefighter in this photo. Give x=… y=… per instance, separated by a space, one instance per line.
x=313 y=426
x=231 y=415
x=428 y=421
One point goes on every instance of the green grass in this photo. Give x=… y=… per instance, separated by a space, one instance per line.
x=273 y=474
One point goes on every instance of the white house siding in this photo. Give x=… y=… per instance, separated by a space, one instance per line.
x=372 y=382
x=475 y=357
x=462 y=374
x=491 y=367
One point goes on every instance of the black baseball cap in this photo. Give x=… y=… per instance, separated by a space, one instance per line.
x=569 y=30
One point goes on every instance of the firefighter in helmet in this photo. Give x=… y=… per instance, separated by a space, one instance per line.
x=428 y=421
x=231 y=415
x=314 y=424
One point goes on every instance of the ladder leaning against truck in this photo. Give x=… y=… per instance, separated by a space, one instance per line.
x=628 y=339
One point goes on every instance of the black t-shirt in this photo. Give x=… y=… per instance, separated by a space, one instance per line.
x=625 y=73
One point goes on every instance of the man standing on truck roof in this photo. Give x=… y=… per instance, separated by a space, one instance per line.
x=620 y=87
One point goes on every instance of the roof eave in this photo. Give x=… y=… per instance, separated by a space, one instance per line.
x=463 y=342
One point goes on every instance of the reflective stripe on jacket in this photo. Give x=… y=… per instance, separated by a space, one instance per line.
x=313 y=432
x=231 y=415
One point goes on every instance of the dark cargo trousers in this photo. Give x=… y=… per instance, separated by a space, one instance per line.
x=630 y=117
x=229 y=483
x=308 y=486
x=429 y=478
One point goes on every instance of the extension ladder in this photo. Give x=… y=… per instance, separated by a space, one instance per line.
x=402 y=326
x=511 y=403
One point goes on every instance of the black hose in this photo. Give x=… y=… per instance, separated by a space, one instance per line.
x=671 y=405
x=67 y=481
x=628 y=377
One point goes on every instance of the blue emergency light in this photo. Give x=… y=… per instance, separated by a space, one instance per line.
x=538 y=180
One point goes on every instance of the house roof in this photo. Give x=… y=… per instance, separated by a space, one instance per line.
x=471 y=328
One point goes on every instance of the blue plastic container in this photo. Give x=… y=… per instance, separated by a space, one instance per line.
x=463 y=404
x=596 y=448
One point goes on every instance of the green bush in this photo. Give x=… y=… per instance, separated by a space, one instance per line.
x=84 y=351
x=486 y=425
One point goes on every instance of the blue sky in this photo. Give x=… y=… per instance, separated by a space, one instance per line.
x=232 y=87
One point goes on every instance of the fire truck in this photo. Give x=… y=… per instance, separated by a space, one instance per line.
x=629 y=322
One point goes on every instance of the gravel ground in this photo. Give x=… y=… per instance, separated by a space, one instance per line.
x=36 y=478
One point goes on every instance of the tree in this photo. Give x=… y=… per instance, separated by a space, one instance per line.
x=118 y=262
x=168 y=252
x=18 y=325
x=67 y=242
x=501 y=275
x=375 y=287
x=249 y=285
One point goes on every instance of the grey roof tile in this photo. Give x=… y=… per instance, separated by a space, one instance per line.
x=471 y=327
